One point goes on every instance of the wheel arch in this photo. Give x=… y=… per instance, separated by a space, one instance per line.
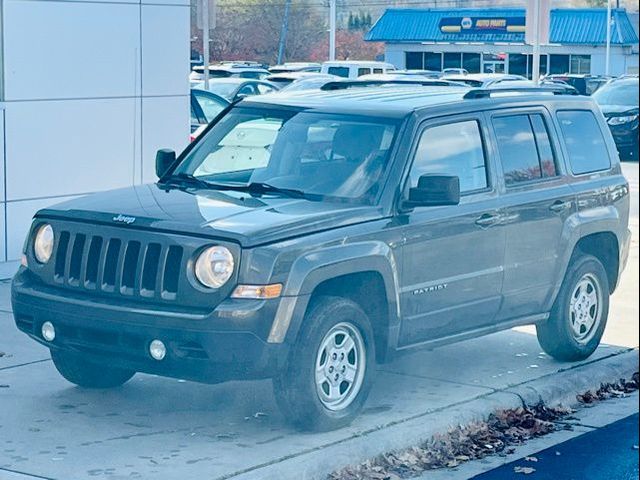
x=365 y=273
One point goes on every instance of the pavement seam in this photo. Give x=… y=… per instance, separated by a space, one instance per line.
x=32 y=475
x=424 y=377
x=24 y=364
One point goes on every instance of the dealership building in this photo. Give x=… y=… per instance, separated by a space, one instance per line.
x=491 y=40
x=89 y=90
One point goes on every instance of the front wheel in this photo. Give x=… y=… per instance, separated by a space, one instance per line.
x=89 y=374
x=330 y=370
x=580 y=312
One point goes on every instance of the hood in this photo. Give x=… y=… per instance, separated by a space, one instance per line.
x=618 y=110
x=237 y=216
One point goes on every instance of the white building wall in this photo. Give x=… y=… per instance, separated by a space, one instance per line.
x=91 y=91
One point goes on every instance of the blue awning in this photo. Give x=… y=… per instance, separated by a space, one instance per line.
x=577 y=26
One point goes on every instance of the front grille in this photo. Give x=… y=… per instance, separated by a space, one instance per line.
x=114 y=265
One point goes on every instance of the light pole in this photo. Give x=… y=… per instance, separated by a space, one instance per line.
x=205 y=41
x=535 y=75
x=607 y=55
x=332 y=30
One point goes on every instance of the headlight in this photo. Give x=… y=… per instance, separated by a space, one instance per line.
x=214 y=267
x=621 y=120
x=43 y=243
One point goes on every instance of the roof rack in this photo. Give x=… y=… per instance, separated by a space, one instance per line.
x=343 y=85
x=476 y=93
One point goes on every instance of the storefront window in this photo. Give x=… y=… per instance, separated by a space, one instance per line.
x=433 y=61
x=580 y=64
x=413 y=60
x=559 y=64
x=452 y=60
x=471 y=62
x=518 y=64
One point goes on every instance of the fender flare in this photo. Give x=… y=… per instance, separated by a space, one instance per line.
x=577 y=226
x=317 y=266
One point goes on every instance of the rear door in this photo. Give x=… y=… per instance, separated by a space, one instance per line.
x=452 y=255
x=537 y=201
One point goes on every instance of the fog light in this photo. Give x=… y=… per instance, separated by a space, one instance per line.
x=157 y=350
x=48 y=331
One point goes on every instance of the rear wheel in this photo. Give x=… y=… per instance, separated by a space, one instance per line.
x=330 y=369
x=580 y=312
x=89 y=374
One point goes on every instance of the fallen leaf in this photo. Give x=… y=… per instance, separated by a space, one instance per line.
x=531 y=459
x=524 y=470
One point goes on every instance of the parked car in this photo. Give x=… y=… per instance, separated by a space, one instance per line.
x=311 y=83
x=484 y=80
x=354 y=69
x=585 y=84
x=393 y=76
x=287 y=78
x=306 y=238
x=205 y=106
x=454 y=71
x=561 y=88
x=233 y=88
x=618 y=101
x=230 y=69
x=423 y=73
x=295 y=67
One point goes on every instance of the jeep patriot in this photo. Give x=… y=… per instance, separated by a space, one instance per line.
x=307 y=237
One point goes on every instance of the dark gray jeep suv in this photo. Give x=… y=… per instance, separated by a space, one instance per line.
x=306 y=238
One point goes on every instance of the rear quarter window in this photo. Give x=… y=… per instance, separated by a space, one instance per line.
x=584 y=141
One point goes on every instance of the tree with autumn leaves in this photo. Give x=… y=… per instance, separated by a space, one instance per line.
x=250 y=30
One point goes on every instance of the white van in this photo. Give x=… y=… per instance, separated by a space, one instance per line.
x=353 y=69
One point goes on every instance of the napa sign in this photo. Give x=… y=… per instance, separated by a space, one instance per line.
x=475 y=25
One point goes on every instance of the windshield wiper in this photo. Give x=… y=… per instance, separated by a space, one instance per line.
x=188 y=180
x=262 y=187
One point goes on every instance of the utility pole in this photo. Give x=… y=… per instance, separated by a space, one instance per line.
x=283 y=32
x=607 y=55
x=332 y=30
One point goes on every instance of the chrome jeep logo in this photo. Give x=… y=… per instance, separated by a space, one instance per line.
x=123 y=219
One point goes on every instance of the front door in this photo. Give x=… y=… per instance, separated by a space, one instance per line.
x=452 y=255
x=537 y=202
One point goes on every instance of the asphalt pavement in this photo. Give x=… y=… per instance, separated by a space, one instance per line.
x=608 y=453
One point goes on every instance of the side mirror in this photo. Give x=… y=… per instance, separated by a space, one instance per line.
x=434 y=190
x=164 y=159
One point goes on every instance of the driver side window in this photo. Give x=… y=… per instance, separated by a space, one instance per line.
x=452 y=149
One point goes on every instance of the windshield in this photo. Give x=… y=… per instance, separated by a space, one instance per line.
x=620 y=94
x=224 y=89
x=337 y=157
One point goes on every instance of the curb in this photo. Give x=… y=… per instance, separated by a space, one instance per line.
x=557 y=388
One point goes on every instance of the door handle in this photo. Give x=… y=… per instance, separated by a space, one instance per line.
x=559 y=206
x=488 y=220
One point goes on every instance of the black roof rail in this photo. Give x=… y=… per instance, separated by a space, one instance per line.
x=476 y=93
x=345 y=84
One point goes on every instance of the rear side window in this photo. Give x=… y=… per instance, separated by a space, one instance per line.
x=584 y=141
x=339 y=71
x=525 y=151
x=364 y=71
x=453 y=149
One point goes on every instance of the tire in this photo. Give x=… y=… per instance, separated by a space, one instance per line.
x=567 y=336
x=89 y=374
x=334 y=403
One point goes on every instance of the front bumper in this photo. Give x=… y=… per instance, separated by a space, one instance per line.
x=227 y=343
